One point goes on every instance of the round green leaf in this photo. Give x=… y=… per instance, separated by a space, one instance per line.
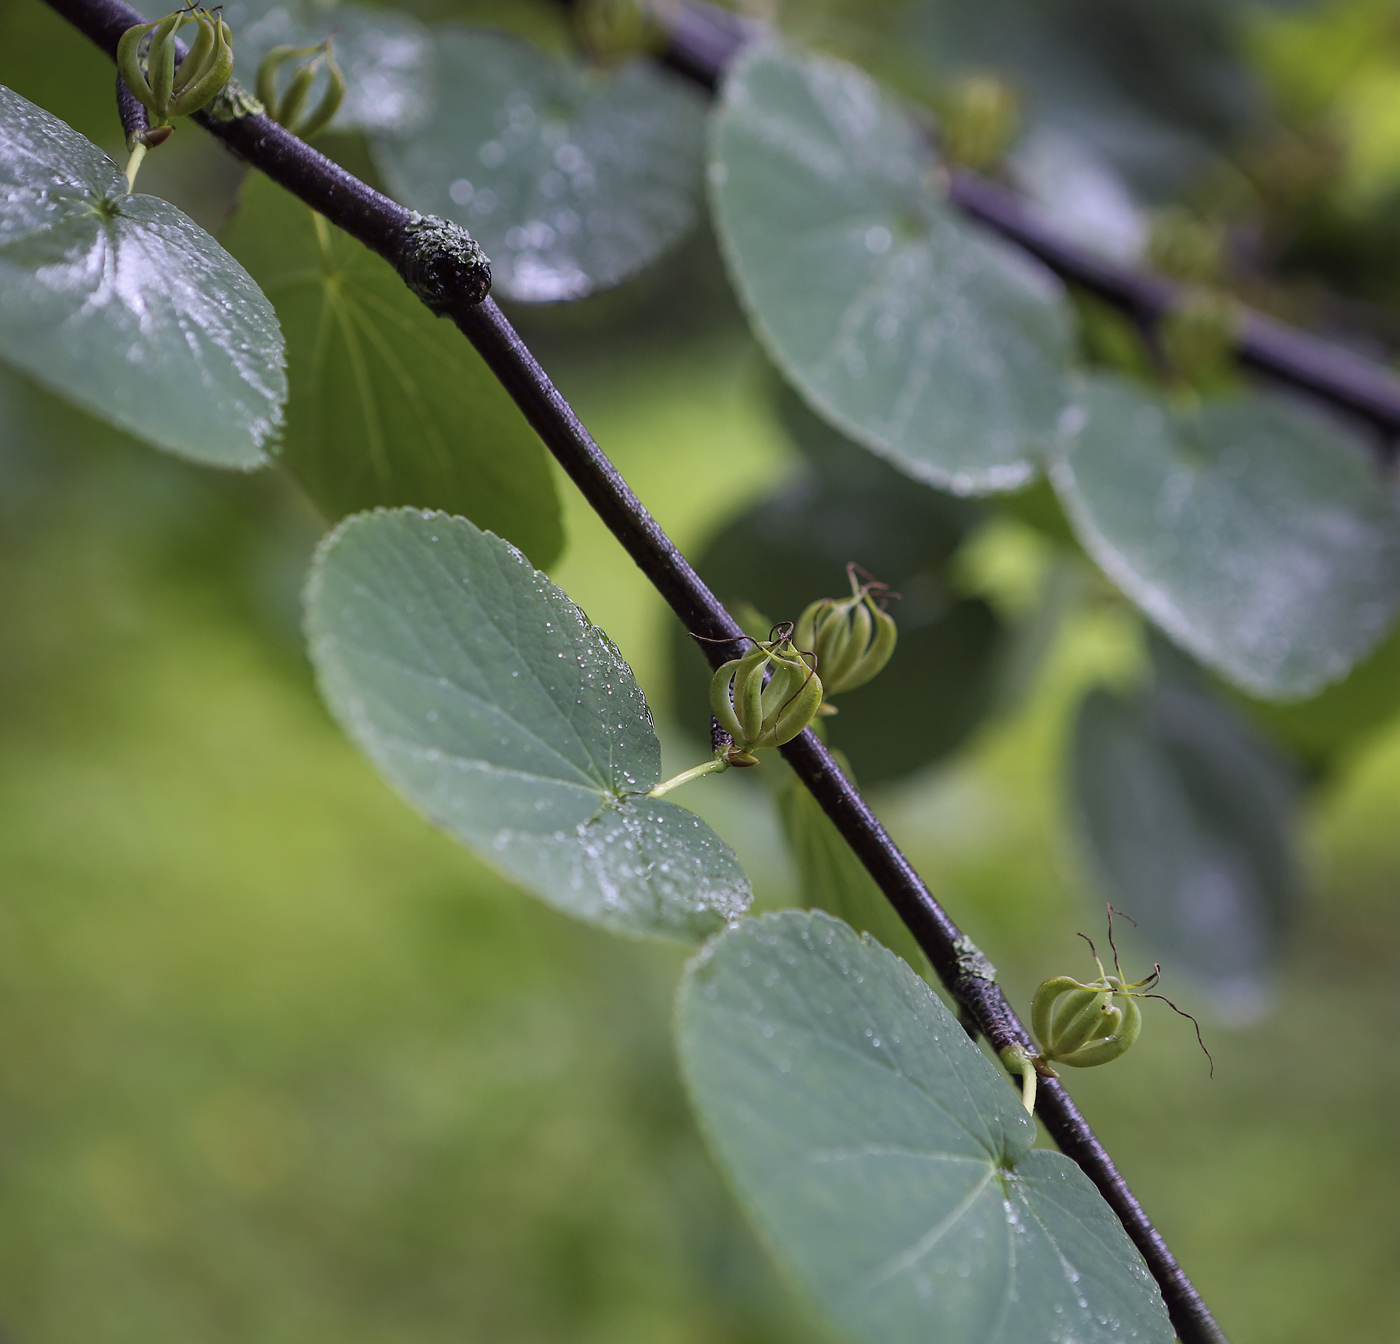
x=921 y=336
x=489 y=701
x=571 y=179
x=385 y=55
x=1257 y=536
x=127 y=307
x=886 y=1160
x=1188 y=821
x=389 y=404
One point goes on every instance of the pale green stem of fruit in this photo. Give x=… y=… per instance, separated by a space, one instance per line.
x=1019 y=1060
x=713 y=767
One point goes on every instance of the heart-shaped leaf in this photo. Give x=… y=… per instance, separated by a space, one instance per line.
x=921 y=336
x=489 y=701
x=389 y=404
x=1256 y=535
x=571 y=179
x=385 y=55
x=127 y=307
x=883 y=1157
x=1188 y=820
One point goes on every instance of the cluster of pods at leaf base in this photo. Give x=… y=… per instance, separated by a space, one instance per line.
x=287 y=109
x=767 y=697
x=852 y=637
x=1079 y=1024
x=165 y=91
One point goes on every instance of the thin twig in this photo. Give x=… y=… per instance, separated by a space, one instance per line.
x=383 y=225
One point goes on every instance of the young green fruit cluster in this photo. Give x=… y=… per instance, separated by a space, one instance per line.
x=756 y=715
x=852 y=637
x=1079 y=1024
x=165 y=91
x=287 y=109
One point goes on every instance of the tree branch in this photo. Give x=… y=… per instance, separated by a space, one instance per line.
x=702 y=40
x=389 y=229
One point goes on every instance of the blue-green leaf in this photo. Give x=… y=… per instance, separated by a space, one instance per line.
x=488 y=700
x=127 y=307
x=571 y=179
x=884 y=1158
x=1255 y=534
x=919 y=335
x=1188 y=820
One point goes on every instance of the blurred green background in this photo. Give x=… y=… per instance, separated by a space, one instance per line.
x=280 y=1063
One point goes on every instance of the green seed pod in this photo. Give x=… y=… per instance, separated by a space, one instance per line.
x=852 y=637
x=199 y=52
x=129 y=65
x=1082 y=1025
x=330 y=99
x=154 y=81
x=981 y=117
x=756 y=714
x=209 y=78
x=1078 y=1024
x=160 y=61
x=286 y=109
x=295 y=98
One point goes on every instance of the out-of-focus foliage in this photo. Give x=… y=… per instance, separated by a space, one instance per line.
x=573 y=179
x=924 y=338
x=275 y=1062
x=1261 y=540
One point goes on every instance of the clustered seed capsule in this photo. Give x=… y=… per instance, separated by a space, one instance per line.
x=1080 y=1025
x=852 y=637
x=164 y=90
x=286 y=109
x=759 y=715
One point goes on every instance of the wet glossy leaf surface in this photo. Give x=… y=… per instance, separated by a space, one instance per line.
x=793 y=547
x=488 y=700
x=883 y=1157
x=125 y=306
x=920 y=336
x=1187 y=818
x=389 y=404
x=1258 y=537
x=571 y=179
x=385 y=55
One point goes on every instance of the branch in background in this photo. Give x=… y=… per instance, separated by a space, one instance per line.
x=396 y=234
x=702 y=40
